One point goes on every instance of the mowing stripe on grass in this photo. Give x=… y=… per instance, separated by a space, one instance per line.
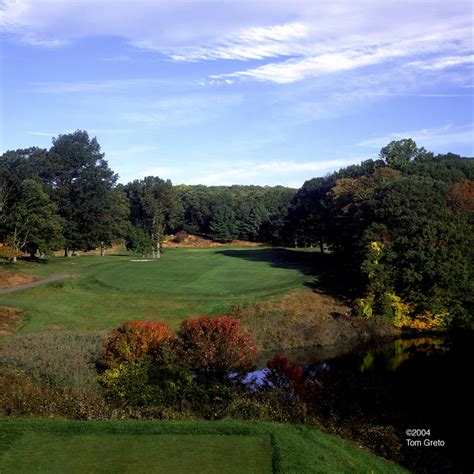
x=138 y=453
x=248 y=445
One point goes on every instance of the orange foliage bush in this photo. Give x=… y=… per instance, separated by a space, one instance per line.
x=134 y=340
x=8 y=252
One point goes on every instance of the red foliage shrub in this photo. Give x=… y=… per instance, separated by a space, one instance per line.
x=216 y=347
x=134 y=340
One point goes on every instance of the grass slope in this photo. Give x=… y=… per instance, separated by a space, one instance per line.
x=104 y=291
x=199 y=446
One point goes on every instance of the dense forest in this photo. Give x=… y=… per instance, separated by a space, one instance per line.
x=402 y=223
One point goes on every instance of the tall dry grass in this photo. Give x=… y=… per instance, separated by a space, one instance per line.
x=54 y=359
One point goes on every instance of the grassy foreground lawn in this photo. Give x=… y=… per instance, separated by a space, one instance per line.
x=104 y=291
x=178 y=447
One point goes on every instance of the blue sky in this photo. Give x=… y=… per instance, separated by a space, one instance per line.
x=247 y=92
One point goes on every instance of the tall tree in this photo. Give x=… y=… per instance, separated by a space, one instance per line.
x=30 y=222
x=81 y=183
x=223 y=226
x=398 y=154
x=155 y=208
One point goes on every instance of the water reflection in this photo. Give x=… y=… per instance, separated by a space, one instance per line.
x=400 y=384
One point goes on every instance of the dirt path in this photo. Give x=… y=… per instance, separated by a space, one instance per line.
x=4 y=291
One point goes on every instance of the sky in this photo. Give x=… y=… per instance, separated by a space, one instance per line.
x=237 y=92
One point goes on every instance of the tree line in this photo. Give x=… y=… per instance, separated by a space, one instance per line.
x=68 y=197
x=403 y=227
x=402 y=223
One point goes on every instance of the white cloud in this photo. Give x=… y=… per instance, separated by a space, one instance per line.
x=107 y=85
x=220 y=172
x=266 y=173
x=295 y=40
x=311 y=66
x=41 y=134
x=435 y=137
x=252 y=43
x=442 y=63
x=91 y=131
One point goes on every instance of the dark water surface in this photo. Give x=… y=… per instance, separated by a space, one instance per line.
x=420 y=384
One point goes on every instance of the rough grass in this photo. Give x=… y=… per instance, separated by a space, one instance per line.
x=102 y=292
x=303 y=318
x=55 y=359
x=10 y=320
x=9 y=278
x=223 y=446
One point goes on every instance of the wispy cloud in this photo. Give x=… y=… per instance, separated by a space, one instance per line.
x=41 y=134
x=442 y=63
x=252 y=43
x=107 y=85
x=295 y=40
x=311 y=66
x=434 y=137
x=99 y=131
x=267 y=173
x=247 y=172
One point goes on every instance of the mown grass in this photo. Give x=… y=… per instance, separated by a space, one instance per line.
x=102 y=292
x=191 y=446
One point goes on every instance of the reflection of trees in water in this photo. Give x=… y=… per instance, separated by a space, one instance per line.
x=399 y=351
x=374 y=394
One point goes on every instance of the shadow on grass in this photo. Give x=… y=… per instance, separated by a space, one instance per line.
x=35 y=259
x=327 y=272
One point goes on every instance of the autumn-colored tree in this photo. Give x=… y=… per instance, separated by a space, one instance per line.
x=9 y=252
x=134 y=340
x=216 y=347
x=461 y=196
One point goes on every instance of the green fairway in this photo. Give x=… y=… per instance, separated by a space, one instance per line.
x=102 y=292
x=178 y=447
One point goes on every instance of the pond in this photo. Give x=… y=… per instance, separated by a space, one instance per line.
x=383 y=390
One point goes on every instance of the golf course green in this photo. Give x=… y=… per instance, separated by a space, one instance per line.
x=101 y=292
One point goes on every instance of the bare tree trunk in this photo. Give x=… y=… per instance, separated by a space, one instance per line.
x=102 y=249
x=14 y=259
x=155 y=240
x=156 y=250
x=321 y=245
